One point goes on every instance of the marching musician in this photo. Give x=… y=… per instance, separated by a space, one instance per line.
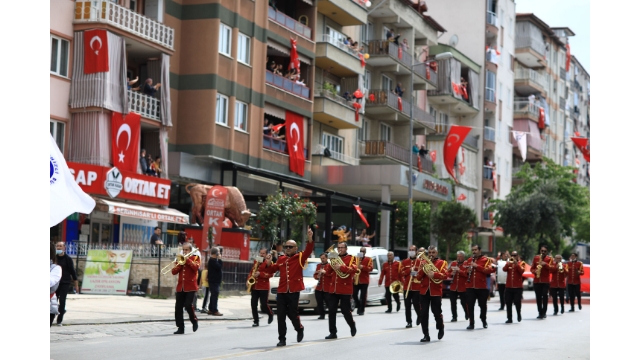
x=513 y=287
x=458 y=287
x=558 y=283
x=409 y=272
x=321 y=288
x=341 y=291
x=260 y=289
x=431 y=293
x=478 y=268
x=186 y=288
x=541 y=280
x=361 y=283
x=390 y=273
x=291 y=283
x=574 y=270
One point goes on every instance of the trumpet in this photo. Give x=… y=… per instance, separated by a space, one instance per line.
x=411 y=278
x=395 y=287
x=179 y=260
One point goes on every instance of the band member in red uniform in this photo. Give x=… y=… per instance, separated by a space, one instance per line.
x=186 y=288
x=322 y=297
x=513 y=288
x=431 y=293
x=361 y=282
x=260 y=290
x=341 y=290
x=410 y=268
x=541 y=280
x=291 y=283
x=390 y=273
x=458 y=288
x=478 y=268
x=574 y=270
x=558 y=283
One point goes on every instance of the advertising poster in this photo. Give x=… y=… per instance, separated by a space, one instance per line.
x=107 y=272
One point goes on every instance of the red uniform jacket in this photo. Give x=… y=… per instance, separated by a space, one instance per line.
x=558 y=279
x=367 y=266
x=426 y=284
x=480 y=273
x=290 y=268
x=188 y=278
x=262 y=281
x=514 y=274
x=322 y=278
x=574 y=270
x=343 y=286
x=395 y=273
x=459 y=281
x=544 y=273
x=408 y=265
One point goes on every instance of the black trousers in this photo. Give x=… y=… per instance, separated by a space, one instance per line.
x=542 y=297
x=387 y=296
x=263 y=296
x=501 y=288
x=213 y=301
x=413 y=298
x=574 y=290
x=454 y=295
x=322 y=299
x=435 y=302
x=555 y=294
x=345 y=309
x=185 y=300
x=481 y=295
x=207 y=293
x=51 y=317
x=61 y=294
x=361 y=301
x=288 y=307
x=513 y=296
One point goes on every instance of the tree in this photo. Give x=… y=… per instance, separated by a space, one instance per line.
x=451 y=222
x=583 y=226
x=280 y=210
x=421 y=223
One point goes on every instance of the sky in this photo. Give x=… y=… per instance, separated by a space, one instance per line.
x=573 y=14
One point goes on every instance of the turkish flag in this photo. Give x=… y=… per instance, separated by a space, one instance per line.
x=452 y=143
x=357 y=106
x=583 y=145
x=277 y=128
x=541 y=118
x=433 y=156
x=399 y=52
x=295 y=61
x=568 y=60
x=463 y=90
x=362 y=62
x=495 y=181
x=462 y=197
x=125 y=135
x=214 y=215
x=428 y=72
x=399 y=103
x=295 y=142
x=96 y=51
x=362 y=217
x=497 y=52
x=358 y=94
x=455 y=87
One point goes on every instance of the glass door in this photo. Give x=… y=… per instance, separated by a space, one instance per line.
x=100 y=234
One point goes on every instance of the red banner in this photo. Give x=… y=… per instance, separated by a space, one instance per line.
x=452 y=143
x=125 y=137
x=214 y=214
x=362 y=217
x=583 y=145
x=541 y=118
x=96 y=51
x=295 y=61
x=568 y=59
x=462 y=197
x=463 y=90
x=295 y=142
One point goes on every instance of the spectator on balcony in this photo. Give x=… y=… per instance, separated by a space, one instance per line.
x=348 y=41
x=278 y=70
x=144 y=165
x=131 y=82
x=355 y=46
x=150 y=89
x=405 y=45
x=266 y=129
x=149 y=162
x=280 y=134
x=399 y=90
x=272 y=3
x=415 y=149
x=392 y=37
x=156 y=166
x=423 y=151
x=347 y=96
x=532 y=99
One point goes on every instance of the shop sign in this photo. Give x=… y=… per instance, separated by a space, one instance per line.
x=149 y=215
x=119 y=184
x=435 y=187
x=107 y=272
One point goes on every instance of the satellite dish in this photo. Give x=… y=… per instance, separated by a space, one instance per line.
x=453 y=41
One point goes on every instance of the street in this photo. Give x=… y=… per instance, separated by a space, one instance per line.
x=379 y=335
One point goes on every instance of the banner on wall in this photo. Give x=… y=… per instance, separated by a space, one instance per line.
x=214 y=214
x=107 y=272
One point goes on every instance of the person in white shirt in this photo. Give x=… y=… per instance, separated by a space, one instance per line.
x=55 y=274
x=502 y=278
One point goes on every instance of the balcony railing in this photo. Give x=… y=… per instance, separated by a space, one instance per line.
x=278 y=145
x=490 y=95
x=288 y=85
x=471 y=141
x=289 y=23
x=340 y=45
x=489 y=133
x=529 y=42
x=492 y=19
x=563 y=104
x=319 y=150
x=528 y=74
x=487 y=172
x=144 y=105
x=123 y=18
x=424 y=117
x=522 y=107
x=394 y=151
x=388 y=98
x=389 y=48
x=318 y=91
x=563 y=73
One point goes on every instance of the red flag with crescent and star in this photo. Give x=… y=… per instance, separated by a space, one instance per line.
x=125 y=141
x=362 y=217
x=295 y=142
x=568 y=58
x=295 y=60
x=583 y=145
x=214 y=214
x=452 y=143
x=96 y=51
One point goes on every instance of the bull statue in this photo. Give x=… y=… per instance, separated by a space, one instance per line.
x=235 y=208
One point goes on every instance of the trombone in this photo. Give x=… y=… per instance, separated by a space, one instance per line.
x=179 y=260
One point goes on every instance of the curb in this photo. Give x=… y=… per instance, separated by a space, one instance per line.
x=155 y=320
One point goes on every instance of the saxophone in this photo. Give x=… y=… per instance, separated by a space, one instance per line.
x=335 y=261
x=356 y=279
x=539 y=267
x=252 y=280
x=429 y=266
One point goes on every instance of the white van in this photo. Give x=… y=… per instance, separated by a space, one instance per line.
x=375 y=294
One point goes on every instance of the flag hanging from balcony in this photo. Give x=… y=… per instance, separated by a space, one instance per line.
x=495 y=180
x=452 y=143
x=541 y=118
x=295 y=61
x=583 y=145
x=521 y=140
x=461 y=166
x=433 y=156
x=362 y=217
x=96 y=51
x=357 y=106
x=568 y=59
x=277 y=128
x=295 y=142
x=463 y=90
x=125 y=141
x=362 y=62
x=462 y=197
x=399 y=52
x=399 y=103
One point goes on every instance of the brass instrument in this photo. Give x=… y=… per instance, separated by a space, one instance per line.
x=511 y=260
x=179 y=260
x=335 y=261
x=471 y=268
x=411 y=278
x=252 y=280
x=429 y=266
x=356 y=279
x=539 y=267
x=560 y=267
x=395 y=287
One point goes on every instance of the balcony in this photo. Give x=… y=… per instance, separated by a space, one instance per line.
x=380 y=152
x=490 y=100
x=523 y=109
x=489 y=141
x=492 y=25
x=289 y=23
x=425 y=75
x=530 y=51
x=529 y=82
x=345 y=13
x=287 y=85
x=122 y=18
x=386 y=102
x=445 y=96
x=563 y=73
x=534 y=142
x=145 y=105
x=423 y=118
x=471 y=141
x=563 y=104
x=333 y=53
x=335 y=157
x=388 y=54
x=277 y=145
x=334 y=110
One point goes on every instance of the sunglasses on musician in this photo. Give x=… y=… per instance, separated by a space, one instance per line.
x=288 y=246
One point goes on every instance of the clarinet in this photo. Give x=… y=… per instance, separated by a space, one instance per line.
x=471 y=270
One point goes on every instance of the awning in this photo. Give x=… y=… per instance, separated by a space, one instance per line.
x=274 y=111
x=142 y=212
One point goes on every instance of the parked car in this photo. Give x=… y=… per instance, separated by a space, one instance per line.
x=447 y=284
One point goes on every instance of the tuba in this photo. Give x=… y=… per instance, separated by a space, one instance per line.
x=396 y=287
x=335 y=261
x=428 y=266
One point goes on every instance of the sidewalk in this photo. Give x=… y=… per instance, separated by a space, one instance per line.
x=117 y=309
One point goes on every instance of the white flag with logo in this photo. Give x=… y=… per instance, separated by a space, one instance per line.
x=521 y=139
x=65 y=196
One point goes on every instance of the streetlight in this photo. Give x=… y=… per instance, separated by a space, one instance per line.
x=442 y=56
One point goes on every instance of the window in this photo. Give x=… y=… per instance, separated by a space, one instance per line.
x=491 y=80
x=555 y=86
x=224 y=43
x=244 y=49
x=385 y=132
x=511 y=29
x=513 y=62
x=367 y=79
x=222 y=107
x=433 y=112
x=59 y=56
x=509 y=98
x=386 y=83
x=499 y=91
x=133 y=5
x=241 y=115
x=57 y=131
x=332 y=142
x=363 y=133
x=498 y=126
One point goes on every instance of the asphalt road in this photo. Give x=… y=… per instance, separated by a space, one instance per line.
x=379 y=335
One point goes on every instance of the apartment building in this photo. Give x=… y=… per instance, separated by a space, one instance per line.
x=579 y=108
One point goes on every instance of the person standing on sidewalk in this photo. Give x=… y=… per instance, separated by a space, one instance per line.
x=458 y=287
x=558 y=283
x=204 y=282
x=186 y=288
x=260 y=289
x=390 y=274
x=55 y=274
x=68 y=273
x=513 y=288
x=365 y=266
x=480 y=267
x=501 y=277
x=575 y=269
x=541 y=280
x=321 y=290
x=215 y=279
